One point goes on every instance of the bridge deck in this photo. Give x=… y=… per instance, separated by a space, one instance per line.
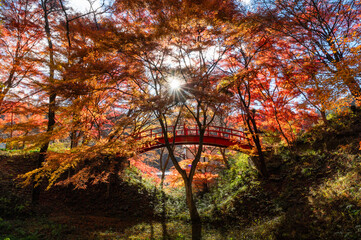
x=184 y=135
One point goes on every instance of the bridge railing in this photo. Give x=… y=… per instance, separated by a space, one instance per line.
x=183 y=130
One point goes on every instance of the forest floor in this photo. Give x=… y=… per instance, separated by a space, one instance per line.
x=313 y=192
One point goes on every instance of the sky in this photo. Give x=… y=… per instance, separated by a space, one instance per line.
x=83 y=5
x=247 y=2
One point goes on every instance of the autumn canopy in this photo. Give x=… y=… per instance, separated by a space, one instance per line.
x=80 y=85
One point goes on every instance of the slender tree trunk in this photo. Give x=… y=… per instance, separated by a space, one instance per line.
x=73 y=143
x=225 y=160
x=44 y=148
x=113 y=179
x=163 y=167
x=324 y=118
x=10 y=145
x=164 y=212
x=252 y=126
x=260 y=162
x=52 y=98
x=75 y=136
x=279 y=126
x=193 y=212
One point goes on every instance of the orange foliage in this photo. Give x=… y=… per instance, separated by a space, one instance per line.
x=206 y=172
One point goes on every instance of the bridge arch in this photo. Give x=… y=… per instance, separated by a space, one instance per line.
x=185 y=135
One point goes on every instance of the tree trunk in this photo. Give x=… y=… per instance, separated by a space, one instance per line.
x=194 y=215
x=52 y=98
x=260 y=162
x=44 y=148
x=249 y=119
x=73 y=139
x=113 y=179
x=164 y=210
x=193 y=212
x=324 y=118
x=225 y=160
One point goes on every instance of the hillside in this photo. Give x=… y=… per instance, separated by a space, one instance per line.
x=314 y=189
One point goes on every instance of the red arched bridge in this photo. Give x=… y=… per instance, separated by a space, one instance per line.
x=184 y=135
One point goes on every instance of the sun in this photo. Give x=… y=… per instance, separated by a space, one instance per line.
x=175 y=84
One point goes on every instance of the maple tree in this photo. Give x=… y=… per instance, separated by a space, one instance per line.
x=325 y=30
x=30 y=45
x=304 y=78
x=19 y=36
x=198 y=100
x=242 y=69
x=47 y=8
x=91 y=105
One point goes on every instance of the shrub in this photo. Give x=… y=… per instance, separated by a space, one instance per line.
x=12 y=206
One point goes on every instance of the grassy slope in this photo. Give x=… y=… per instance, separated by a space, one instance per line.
x=314 y=191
